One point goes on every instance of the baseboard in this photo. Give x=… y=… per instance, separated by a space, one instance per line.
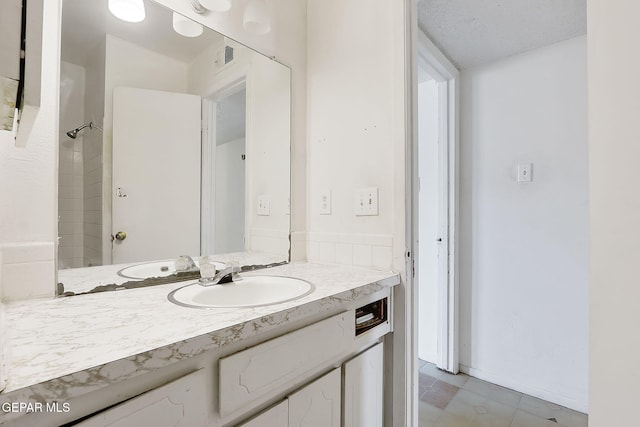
x=522 y=388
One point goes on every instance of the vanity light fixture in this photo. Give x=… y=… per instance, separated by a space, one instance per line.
x=256 y=17
x=185 y=26
x=127 y=10
x=216 y=5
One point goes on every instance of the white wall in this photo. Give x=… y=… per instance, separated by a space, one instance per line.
x=28 y=184
x=229 y=206
x=428 y=131
x=614 y=150
x=524 y=247
x=355 y=125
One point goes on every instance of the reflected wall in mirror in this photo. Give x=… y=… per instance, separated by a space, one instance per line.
x=169 y=145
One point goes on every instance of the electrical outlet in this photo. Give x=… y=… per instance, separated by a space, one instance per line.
x=325 y=203
x=264 y=205
x=366 y=202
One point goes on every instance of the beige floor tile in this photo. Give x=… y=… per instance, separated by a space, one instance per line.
x=479 y=410
x=525 y=419
x=454 y=420
x=544 y=409
x=427 y=414
x=493 y=392
x=456 y=380
x=439 y=394
x=425 y=381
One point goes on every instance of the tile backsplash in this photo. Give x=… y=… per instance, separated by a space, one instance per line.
x=27 y=270
x=363 y=250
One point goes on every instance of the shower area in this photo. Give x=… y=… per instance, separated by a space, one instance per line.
x=80 y=171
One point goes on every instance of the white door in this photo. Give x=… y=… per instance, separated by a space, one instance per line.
x=317 y=404
x=363 y=389
x=430 y=219
x=156 y=174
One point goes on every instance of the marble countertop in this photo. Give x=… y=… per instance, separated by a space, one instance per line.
x=63 y=347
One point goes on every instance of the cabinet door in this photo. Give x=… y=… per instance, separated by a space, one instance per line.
x=317 y=404
x=363 y=389
x=181 y=403
x=276 y=416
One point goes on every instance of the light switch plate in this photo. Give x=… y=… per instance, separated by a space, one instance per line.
x=366 y=202
x=264 y=205
x=325 y=203
x=524 y=172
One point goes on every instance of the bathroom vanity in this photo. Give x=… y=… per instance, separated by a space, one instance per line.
x=132 y=357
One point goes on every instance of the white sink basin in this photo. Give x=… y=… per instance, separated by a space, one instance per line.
x=251 y=291
x=155 y=269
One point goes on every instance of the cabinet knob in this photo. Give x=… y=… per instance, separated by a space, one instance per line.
x=120 y=235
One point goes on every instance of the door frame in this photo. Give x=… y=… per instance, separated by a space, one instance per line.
x=229 y=81
x=431 y=59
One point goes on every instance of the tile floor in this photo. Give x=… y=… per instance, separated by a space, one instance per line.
x=462 y=401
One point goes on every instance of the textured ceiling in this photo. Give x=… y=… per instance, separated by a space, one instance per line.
x=475 y=32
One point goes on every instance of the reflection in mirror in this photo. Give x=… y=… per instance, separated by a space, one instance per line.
x=169 y=145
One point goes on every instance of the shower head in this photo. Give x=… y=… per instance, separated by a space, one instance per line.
x=73 y=134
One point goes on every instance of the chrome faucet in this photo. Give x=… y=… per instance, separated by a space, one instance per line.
x=185 y=263
x=226 y=275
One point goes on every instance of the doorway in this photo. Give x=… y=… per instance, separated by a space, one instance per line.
x=224 y=170
x=435 y=208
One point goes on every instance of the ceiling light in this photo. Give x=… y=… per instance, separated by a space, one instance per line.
x=127 y=10
x=216 y=5
x=256 y=18
x=185 y=26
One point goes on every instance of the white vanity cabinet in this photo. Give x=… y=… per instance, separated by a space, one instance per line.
x=276 y=416
x=315 y=405
x=180 y=403
x=364 y=388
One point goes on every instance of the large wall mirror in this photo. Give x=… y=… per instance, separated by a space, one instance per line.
x=169 y=144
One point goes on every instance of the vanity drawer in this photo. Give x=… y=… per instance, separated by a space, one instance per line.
x=182 y=402
x=272 y=366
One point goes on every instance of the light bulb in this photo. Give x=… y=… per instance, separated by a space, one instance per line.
x=256 y=18
x=127 y=10
x=185 y=26
x=216 y=5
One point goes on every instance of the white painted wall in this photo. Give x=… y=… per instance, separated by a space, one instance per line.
x=355 y=126
x=614 y=132
x=428 y=131
x=28 y=184
x=230 y=197
x=524 y=247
